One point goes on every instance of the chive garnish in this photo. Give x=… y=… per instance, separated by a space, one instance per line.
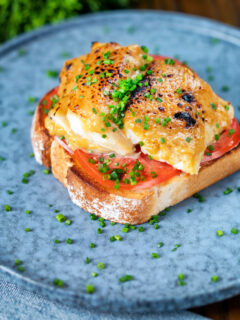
x=219 y=233
x=90 y=288
x=126 y=278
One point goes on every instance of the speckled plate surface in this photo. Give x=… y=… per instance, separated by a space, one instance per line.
x=24 y=64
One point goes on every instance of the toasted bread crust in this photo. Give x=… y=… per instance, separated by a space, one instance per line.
x=132 y=207
x=41 y=140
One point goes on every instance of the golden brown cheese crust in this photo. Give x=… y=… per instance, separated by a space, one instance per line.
x=176 y=94
x=174 y=113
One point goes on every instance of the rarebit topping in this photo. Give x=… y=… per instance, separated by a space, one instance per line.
x=116 y=97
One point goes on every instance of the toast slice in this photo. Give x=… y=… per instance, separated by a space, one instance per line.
x=123 y=206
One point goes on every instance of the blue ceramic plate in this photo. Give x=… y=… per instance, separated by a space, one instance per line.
x=191 y=245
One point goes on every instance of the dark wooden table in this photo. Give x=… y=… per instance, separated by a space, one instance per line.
x=227 y=11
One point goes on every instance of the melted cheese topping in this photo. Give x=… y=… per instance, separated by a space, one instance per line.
x=173 y=113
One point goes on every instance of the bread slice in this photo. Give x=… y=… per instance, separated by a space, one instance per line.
x=123 y=206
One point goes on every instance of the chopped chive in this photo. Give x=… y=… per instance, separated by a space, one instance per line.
x=27 y=211
x=234 y=231
x=199 y=197
x=65 y=54
x=60 y=217
x=219 y=233
x=112 y=239
x=145 y=49
x=58 y=283
x=94 y=274
x=21 y=52
x=30 y=112
x=21 y=268
x=165 y=121
x=99 y=230
x=52 y=73
x=7 y=208
x=46 y=171
x=68 y=222
x=155 y=255
x=93 y=216
x=181 y=283
x=214 y=40
x=100 y=266
x=118 y=238
x=213 y=105
x=209 y=69
x=160 y=244
x=69 y=241
x=230 y=132
x=31 y=99
x=181 y=276
x=225 y=88
x=27 y=229
x=126 y=278
x=18 y=262
x=188 y=139
x=90 y=288
x=138 y=121
x=179 y=91
x=176 y=247
x=227 y=191
x=214 y=278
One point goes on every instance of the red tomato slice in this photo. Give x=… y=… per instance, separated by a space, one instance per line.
x=158 y=57
x=47 y=100
x=154 y=172
x=228 y=140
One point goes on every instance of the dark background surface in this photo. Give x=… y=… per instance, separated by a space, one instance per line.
x=18 y=16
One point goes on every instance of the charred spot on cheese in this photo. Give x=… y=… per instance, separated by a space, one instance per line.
x=188 y=97
x=68 y=66
x=185 y=116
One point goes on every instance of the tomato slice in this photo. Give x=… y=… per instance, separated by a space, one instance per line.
x=48 y=100
x=158 y=57
x=154 y=172
x=228 y=140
